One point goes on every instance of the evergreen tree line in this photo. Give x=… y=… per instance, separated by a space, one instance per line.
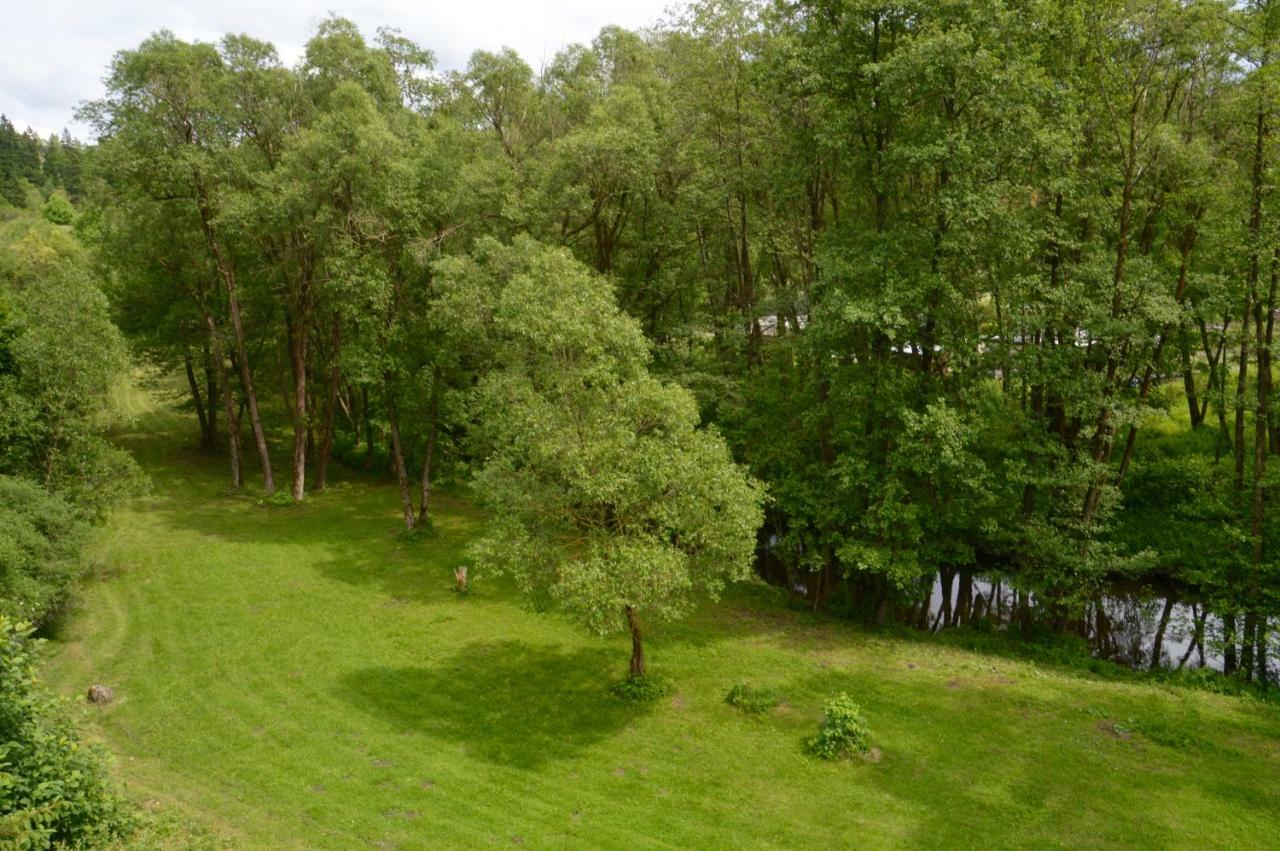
x=975 y=288
x=29 y=164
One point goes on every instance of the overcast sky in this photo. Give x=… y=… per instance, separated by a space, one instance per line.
x=54 y=53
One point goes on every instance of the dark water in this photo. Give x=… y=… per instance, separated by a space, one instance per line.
x=1127 y=631
x=1124 y=630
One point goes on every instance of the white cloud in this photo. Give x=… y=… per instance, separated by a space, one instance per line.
x=54 y=53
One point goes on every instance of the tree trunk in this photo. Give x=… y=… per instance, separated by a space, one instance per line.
x=1102 y=630
x=1194 y=410
x=964 y=598
x=425 y=502
x=1229 y=662
x=922 y=620
x=242 y=355
x=397 y=458
x=224 y=390
x=1158 y=645
x=330 y=409
x=637 y=644
x=1242 y=384
x=1197 y=634
x=313 y=417
x=368 y=429
x=212 y=393
x=1246 y=644
x=206 y=438
x=298 y=361
x=251 y=400
x=1264 y=333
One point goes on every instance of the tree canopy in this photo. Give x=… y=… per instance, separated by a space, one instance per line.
x=954 y=281
x=607 y=496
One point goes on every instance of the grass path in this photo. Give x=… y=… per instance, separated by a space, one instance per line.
x=305 y=678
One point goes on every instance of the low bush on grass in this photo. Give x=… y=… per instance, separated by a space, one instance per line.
x=53 y=790
x=279 y=499
x=58 y=209
x=644 y=689
x=843 y=732
x=753 y=700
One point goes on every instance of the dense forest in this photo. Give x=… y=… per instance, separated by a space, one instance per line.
x=29 y=164
x=976 y=290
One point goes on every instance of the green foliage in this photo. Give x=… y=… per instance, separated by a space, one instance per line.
x=903 y=258
x=58 y=209
x=53 y=789
x=60 y=358
x=41 y=538
x=642 y=689
x=19 y=163
x=753 y=700
x=843 y=732
x=280 y=499
x=605 y=492
x=24 y=828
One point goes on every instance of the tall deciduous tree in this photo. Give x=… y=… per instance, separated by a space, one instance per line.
x=170 y=116
x=607 y=496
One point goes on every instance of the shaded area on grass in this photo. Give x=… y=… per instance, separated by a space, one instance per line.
x=510 y=702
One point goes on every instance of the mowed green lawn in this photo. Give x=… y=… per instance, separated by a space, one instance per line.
x=304 y=677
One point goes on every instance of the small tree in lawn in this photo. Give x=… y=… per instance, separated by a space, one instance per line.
x=608 y=499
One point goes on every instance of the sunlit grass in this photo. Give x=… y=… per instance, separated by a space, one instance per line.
x=307 y=678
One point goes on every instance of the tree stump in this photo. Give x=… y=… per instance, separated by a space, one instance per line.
x=460 y=579
x=101 y=694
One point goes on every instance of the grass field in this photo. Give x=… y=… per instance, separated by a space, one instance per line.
x=304 y=677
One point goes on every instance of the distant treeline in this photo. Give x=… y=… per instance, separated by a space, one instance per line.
x=29 y=163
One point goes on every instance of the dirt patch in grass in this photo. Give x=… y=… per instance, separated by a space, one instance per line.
x=1113 y=729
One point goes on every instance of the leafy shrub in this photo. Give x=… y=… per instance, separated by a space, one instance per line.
x=58 y=209
x=422 y=531
x=843 y=732
x=349 y=450
x=644 y=689
x=40 y=541
x=753 y=700
x=280 y=499
x=60 y=359
x=53 y=790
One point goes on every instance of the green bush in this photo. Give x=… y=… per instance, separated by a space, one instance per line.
x=352 y=452
x=644 y=689
x=60 y=359
x=753 y=700
x=280 y=499
x=40 y=541
x=843 y=732
x=53 y=790
x=58 y=209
